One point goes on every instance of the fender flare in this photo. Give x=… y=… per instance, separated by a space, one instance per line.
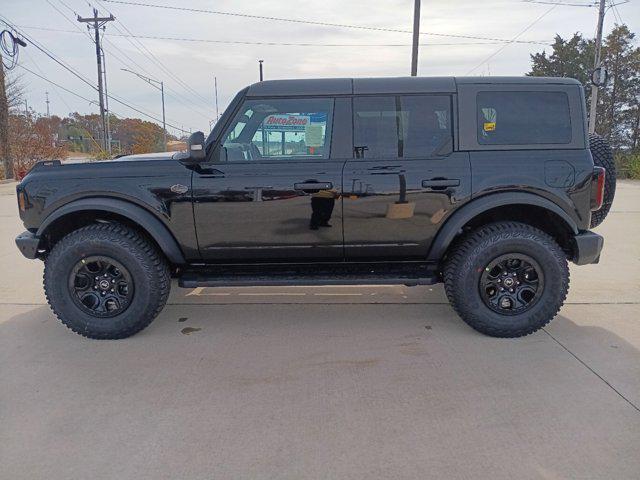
x=146 y=220
x=472 y=209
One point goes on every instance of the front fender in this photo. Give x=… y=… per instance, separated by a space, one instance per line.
x=453 y=226
x=146 y=220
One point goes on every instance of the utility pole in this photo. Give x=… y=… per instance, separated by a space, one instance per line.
x=96 y=23
x=160 y=86
x=106 y=103
x=164 y=123
x=260 y=66
x=46 y=94
x=215 y=86
x=596 y=64
x=5 y=151
x=416 y=38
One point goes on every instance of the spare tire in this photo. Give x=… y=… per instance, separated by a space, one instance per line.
x=603 y=157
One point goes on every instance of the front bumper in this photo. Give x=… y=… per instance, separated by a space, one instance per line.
x=28 y=244
x=587 y=247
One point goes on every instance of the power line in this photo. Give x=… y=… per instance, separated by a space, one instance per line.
x=563 y=4
x=50 y=55
x=75 y=25
x=78 y=75
x=312 y=22
x=299 y=44
x=56 y=87
x=514 y=38
x=56 y=90
x=112 y=45
x=277 y=44
x=182 y=100
x=42 y=77
x=616 y=13
x=167 y=71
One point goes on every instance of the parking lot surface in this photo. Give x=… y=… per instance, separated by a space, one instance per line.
x=325 y=383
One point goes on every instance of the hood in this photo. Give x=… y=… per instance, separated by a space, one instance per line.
x=144 y=156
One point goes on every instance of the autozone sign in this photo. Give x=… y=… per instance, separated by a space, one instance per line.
x=284 y=122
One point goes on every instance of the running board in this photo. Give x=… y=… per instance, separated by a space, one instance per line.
x=308 y=275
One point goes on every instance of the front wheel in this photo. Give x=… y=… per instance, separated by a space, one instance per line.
x=106 y=281
x=507 y=279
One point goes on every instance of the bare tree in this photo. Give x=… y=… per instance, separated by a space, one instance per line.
x=14 y=87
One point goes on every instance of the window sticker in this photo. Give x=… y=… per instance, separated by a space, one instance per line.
x=489 y=124
x=313 y=135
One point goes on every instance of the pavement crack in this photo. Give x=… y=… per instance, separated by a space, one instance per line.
x=592 y=371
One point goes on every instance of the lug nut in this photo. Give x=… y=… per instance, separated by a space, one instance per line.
x=501 y=289
x=511 y=290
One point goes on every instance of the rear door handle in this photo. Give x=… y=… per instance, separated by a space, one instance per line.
x=441 y=183
x=313 y=186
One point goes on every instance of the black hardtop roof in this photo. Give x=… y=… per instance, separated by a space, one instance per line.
x=349 y=86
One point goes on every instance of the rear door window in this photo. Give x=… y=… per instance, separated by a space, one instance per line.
x=409 y=126
x=523 y=118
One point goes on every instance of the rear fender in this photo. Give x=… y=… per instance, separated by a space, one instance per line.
x=454 y=225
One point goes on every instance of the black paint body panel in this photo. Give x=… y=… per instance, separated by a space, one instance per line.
x=385 y=209
x=145 y=183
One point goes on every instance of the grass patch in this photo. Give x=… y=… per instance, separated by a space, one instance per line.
x=628 y=165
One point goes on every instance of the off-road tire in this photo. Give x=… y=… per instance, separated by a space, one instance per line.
x=147 y=267
x=603 y=157
x=470 y=256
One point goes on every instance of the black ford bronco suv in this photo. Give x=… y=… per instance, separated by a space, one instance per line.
x=485 y=184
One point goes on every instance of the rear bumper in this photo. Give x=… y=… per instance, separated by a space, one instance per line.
x=28 y=244
x=588 y=246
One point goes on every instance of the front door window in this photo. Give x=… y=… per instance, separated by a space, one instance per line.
x=277 y=129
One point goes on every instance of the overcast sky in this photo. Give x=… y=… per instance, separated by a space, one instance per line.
x=235 y=65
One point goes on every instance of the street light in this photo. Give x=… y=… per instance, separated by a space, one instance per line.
x=160 y=86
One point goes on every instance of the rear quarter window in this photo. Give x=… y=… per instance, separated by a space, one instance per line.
x=523 y=118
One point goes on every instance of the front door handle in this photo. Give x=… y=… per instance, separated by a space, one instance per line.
x=441 y=183
x=313 y=186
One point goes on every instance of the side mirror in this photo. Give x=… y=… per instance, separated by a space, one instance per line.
x=195 y=146
x=196 y=152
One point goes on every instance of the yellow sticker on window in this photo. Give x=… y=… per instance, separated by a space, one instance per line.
x=489 y=126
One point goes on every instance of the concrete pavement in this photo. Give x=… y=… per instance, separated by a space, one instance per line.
x=359 y=382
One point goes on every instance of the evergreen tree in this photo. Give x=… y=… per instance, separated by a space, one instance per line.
x=619 y=101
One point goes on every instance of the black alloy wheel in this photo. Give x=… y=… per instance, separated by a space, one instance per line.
x=101 y=286
x=511 y=284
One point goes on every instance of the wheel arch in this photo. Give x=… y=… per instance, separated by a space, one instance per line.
x=88 y=210
x=515 y=206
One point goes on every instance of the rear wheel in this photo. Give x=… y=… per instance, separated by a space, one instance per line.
x=507 y=279
x=106 y=281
